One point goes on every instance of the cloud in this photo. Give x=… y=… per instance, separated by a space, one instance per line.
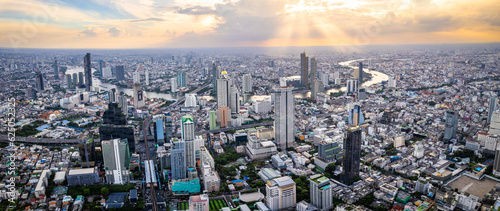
x=115 y=32
x=195 y=10
x=89 y=32
x=147 y=20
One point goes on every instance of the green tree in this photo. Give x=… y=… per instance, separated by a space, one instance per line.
x=104 y=191
x=86 y=192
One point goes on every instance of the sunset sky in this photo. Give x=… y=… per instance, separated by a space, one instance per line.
x=227 y=23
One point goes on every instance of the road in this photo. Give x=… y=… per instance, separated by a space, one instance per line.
x=4 y=138
x=145 y=128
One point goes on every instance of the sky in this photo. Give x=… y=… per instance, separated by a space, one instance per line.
x=124 y=24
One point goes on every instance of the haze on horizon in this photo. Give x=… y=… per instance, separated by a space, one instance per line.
x=238 y=23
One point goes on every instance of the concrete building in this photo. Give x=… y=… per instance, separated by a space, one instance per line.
x=320 y=190
x=199 y=203
x=173 y=85
x=495 y=123
x=212 y=120
x=87 y=69
x=178 y=160
x=116 y=161
x=247 y=83
x=280 y=193
x=120 y=73
x=496 y=164
x=182 y=79
x=223 y=85
x=284 y=115
x=314 y=68
x=352 y=154
x=392 y=82
x=257 y=149
x=451 y=123
x=191 y=100
x=139 y=98
x=304 y=68
x=234 y=99
x=492 y=108
x=352 y=86
x=83 y=177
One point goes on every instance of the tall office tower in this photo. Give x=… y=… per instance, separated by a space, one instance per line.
x=159 y=132
x=168 y=127
x=281 y=193
x=496 y=164
x=352 y=154
x=223 y=84
x=115 y=126
x=102 y=65
x=495 y=123
x=39 y=81
x=56 y=69
x=182 y=79
x=173 y=85
x=190 y=100
x=178 y=159
x=113 y=96
x=492 y=108
x=336 y=75
x=122 y=102
x=356 y=116
x=120 y=73
x=362 y=94
x=329 y=151
x=81 y=81
x=324 y=77
x=247 y=83
x=68 y=81
x=212 y=120
x=146 y=76
x=234 y=99
x=224 y=114
x=75 y=80
x=316 y=88
x=87 y=67
x=106 y=72
x=320 y=190
x=187 y=127
x=450 y=130
x=190 y=153
x=214 y=76
x=138 y=96
x=392 y=82
x=284 y=115
x=136 y=76
x=352 y=86
x=360 y=70
x=313 y=74
x=116 y=161
x=281 y=72
x=304 y=68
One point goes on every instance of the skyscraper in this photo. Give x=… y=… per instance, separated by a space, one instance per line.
x=187 y=127
x=496 y=164
x=212 y=120
x=81 y=82
x=102 y=65
x=360 y=77
x=223 y=84
x=138 y=96
x=316 y=87
x=87 y=67
x=173 y=85
x=320 y=190
x=352 y=86
x=120 y=73
x=122 y=102
x=352 y=154
x=116 y=161
x=39 y=81
x=112 y=95
x=356 y=116
x=495 y=123
x=178 y=160
x=224 y=114
x=75 y=80
x=190 y=100
x=450 y=130
x=284 y=115
x=492 y=108
x=214 y=76
x=392 y=82
x=136 y=77
x=115 y=126
x=182 y=79
x=314 y=68
x=247 y=83
x=56 y=69
x=234 y=99
x=304 y=68
x=146 y=76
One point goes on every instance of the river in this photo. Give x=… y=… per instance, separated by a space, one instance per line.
x=377 y=77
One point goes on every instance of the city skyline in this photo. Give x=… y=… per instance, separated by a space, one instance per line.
x=176 y=24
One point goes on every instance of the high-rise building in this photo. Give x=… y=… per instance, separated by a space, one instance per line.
x=190 y=153
x=75 y=80
x=113 y=96
x=39 y=81
x=190 y=100
x=138 y=96
x=212 y=120
x=329 y=151
x=495 y=123
x=492 y=108
x=316 y=87
x=187 y=127
x=115 y=126
x=451 y=122
x=496 y=164
x=69 y=82
x=234 y=99
x=320 y=190
x=352 y=86
x=146 y=76
x=313 y=74
x=304 y=68
x=247 y=83
x=392 y=82
x=120 y=73
x=56 y=69
x=136 y=76
x=102 y=65
x=360 y=76
x=159 y=134
x=284 y=115
x=173 y=85
x=178 y=159
x=182 y=79
x=106 y=72
x=214 y=76
x=280 y=193
x=224 y=114
x=352 y=154
x=356 y=116
x=114 y=115
x=87 y=67
x=281 y=72
x=81 y=81
x=199 y=203
x=122 y=102
x=116 y=161
x=223 y=84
